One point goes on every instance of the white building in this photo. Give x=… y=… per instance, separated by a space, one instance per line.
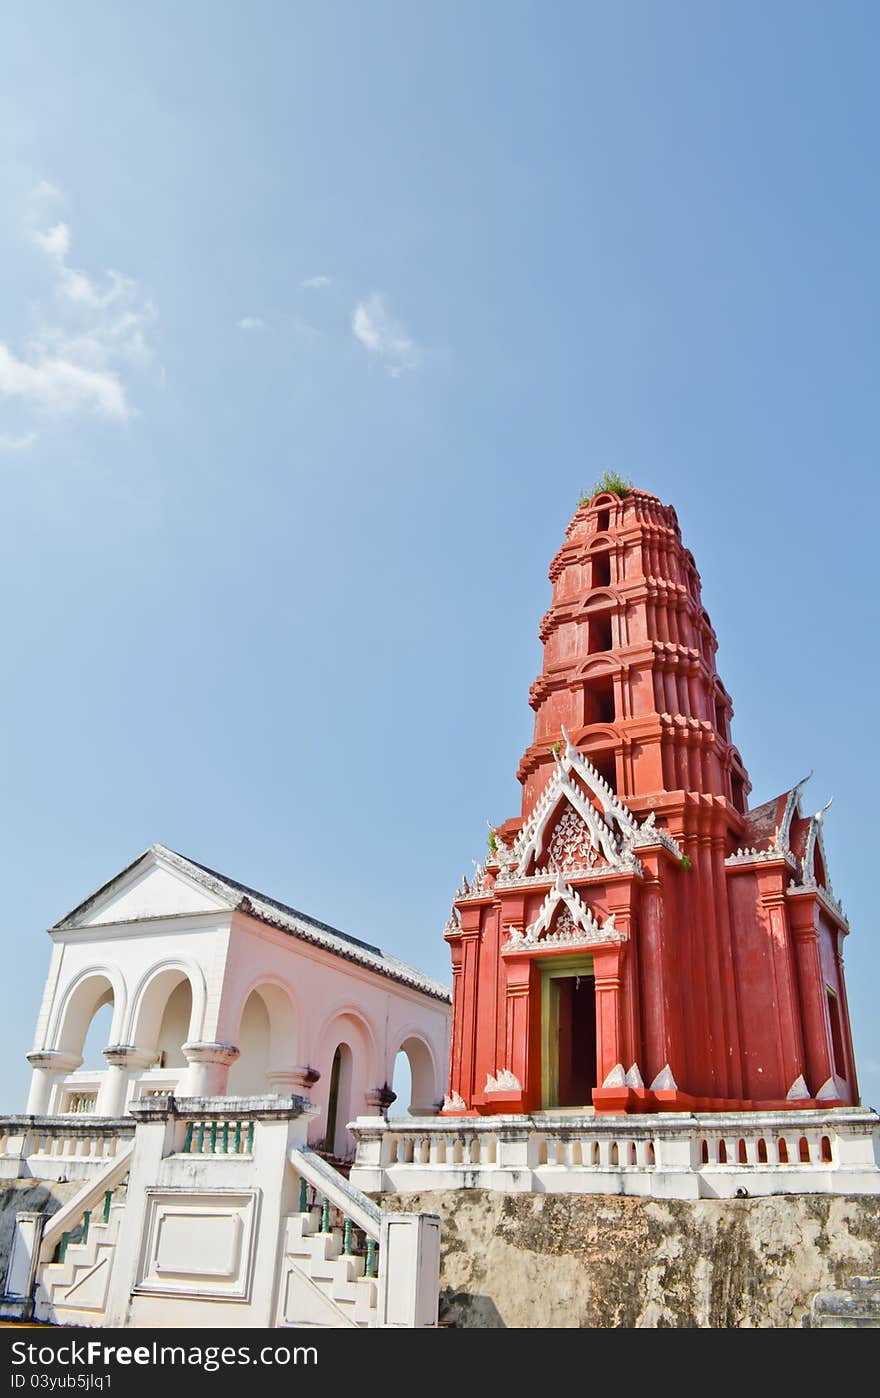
x=217 y=990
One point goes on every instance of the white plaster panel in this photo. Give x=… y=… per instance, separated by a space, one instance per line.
x=198 y=1243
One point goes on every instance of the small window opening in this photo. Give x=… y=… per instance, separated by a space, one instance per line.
x=836 y=1034
x=738 y=791
x=603 y=518
x=600 y=633
x=601 y=569
x=606 y=766
x=804 y=1150
x=826 y=1151
x=722 y=1152
x=782 y=1151
x=762 y=1151
x=721 y=720
x=599 y=700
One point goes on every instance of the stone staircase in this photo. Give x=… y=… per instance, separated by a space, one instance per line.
x=72 y=1290
x=326 y=1284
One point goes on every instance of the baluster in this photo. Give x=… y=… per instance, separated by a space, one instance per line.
x=213 y=1138
x=325 y=1216
x=238 y=1138
x=346 y=1237
x=108 y=1200
x=370 y=1266
x=250 y=1138
x=303 y=1195
x=188 y=1138
x=225 y=1146
x=86 y=1220
x=62 y=1251
x=201 y=1136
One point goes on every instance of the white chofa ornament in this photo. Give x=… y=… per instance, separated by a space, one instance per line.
x=503 y=1081
x=452 y=1102
x=664 y=1081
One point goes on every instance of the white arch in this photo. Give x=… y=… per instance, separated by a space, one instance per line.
x=79 y=1000
x=427 y=1088
x=346 y=1009
x=151 y=996
x=285 y=1020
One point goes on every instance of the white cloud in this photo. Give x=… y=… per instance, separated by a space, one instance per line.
x=20 y=443
x=382 y=335
x=56 y=242
x=251 y=323
x=315 y=283
x=90 y=335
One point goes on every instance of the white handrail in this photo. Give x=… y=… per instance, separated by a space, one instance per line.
x=71 y=1214
x=362 y=1211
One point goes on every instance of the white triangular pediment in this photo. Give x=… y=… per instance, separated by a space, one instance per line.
x=153 y=887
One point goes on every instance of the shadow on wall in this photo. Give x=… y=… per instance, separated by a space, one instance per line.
x=468 y=1310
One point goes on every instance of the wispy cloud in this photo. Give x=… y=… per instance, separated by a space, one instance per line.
x=91 y=335
x=383 y=336
x=315 y=283
x=251 y=323
x=9 y=443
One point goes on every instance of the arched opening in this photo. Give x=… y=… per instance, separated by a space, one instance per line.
x=782 y=1150
x=603 y=519
x=98 y=1034
x=722 y=1152
x=90 y=996
x=338 y=1102
x=762 y=1151
x=248 y=1074
x=161 y=1022
x=804 y=1150
x=826 y=1150
x=401 y=1086
x=174 y=1028
x=741 y=1150
x=414 y=1080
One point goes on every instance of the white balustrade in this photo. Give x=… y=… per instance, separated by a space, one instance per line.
x=668 y=1156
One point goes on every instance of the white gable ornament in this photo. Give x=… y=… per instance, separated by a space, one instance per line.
x=576 y=923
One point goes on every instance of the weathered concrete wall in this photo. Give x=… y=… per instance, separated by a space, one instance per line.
x=28 y=1196
x=598 y=1261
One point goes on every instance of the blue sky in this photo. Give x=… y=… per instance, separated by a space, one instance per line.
x=314 y=323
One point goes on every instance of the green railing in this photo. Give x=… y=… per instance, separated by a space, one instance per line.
x=219 y=1138
x=355 y=1242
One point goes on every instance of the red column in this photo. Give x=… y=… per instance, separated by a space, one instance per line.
x=523 y=1050
x=608 y=973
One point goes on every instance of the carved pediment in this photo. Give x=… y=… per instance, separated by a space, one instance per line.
x=564 y=918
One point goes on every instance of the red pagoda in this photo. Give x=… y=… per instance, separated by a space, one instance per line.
x=639 y=939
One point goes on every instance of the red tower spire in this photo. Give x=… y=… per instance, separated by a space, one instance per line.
x=638 y=939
